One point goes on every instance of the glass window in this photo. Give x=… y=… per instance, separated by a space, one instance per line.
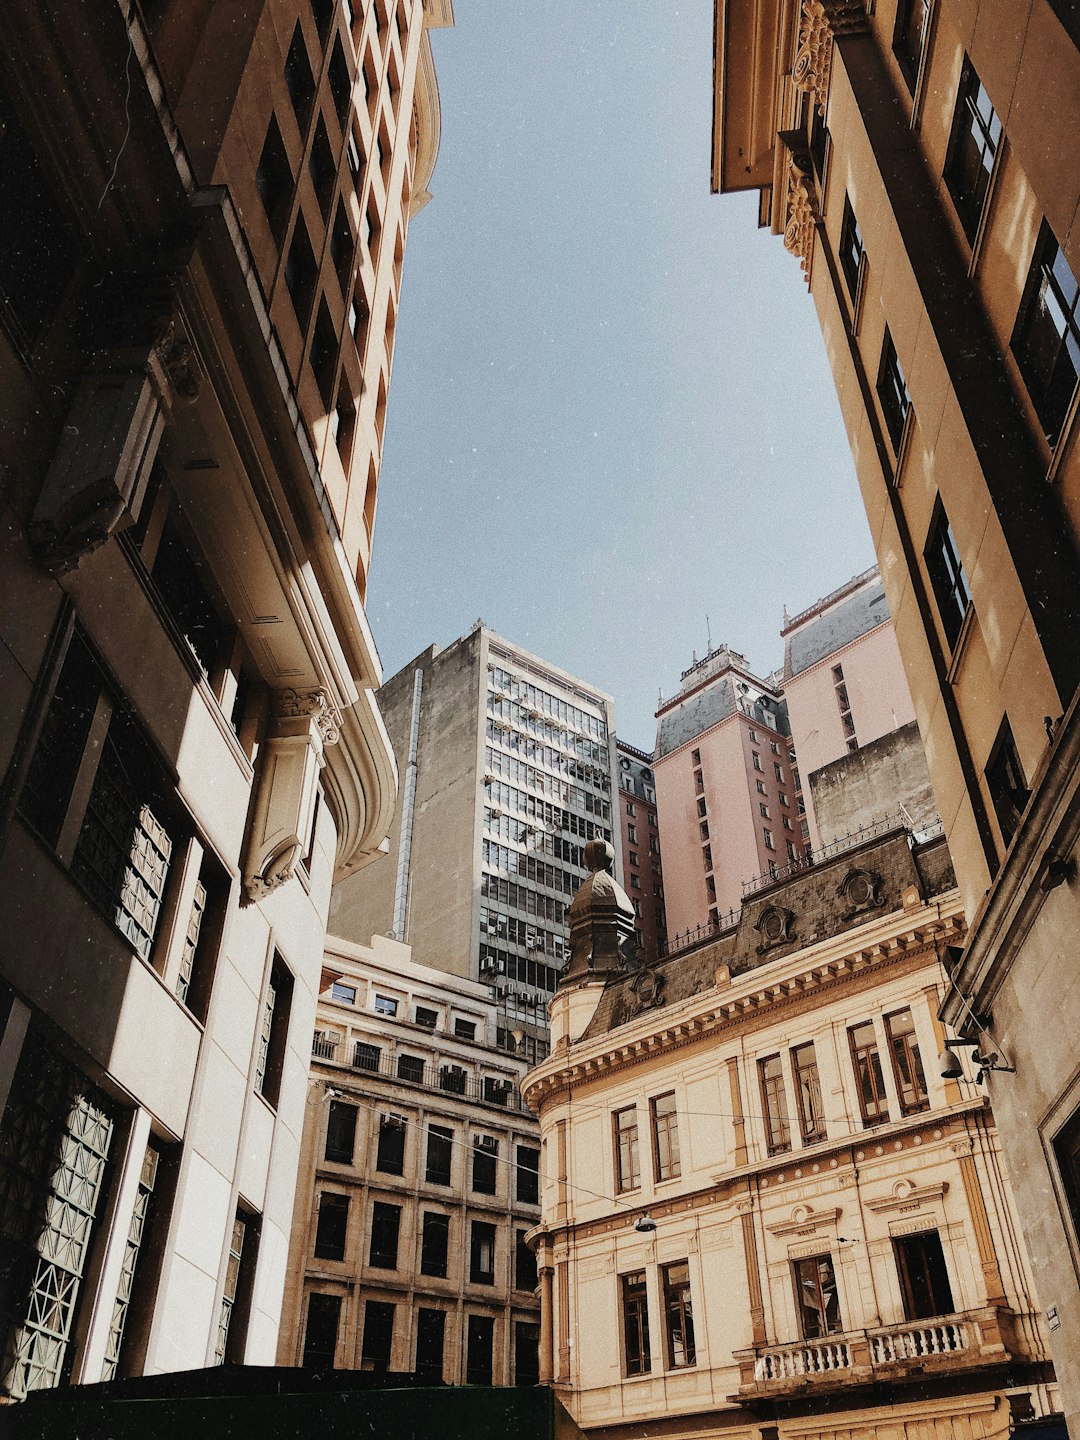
x=482 y=1253
x=909 y=38
x=465 y=1029
x=851 y=250
x=526 y=1353
x=485 y=1157
x=808 y=1093
x=479 y=1350
x=378 y=1336
x=385 y=1223
x=410 y=1067
x=527 y=1175
x=434 y=1243
x=976 y=135
x=1067 y=1154
x=892 y=392
x=430 y=1341
x=947 y=577
x=524 y=1264
x=665 y=1127
x=678 y=1315
x=321 y=1332
x=366 y=1056
x=1006 y=783
x=345 y=993
x=1046 y=341
x=340 y=1132
x=816 y=1297
x=627 y=1159
x=391 y=1151
x=428 y=1018
x=906 y=1062
x=439 y=1152
x=637 y=1359
x=870 y=1082
x=924 y=1278
x=385 y=1006
x=774 y=1102
x=331 y=1226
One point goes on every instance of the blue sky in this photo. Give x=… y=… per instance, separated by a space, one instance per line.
x=610 y=413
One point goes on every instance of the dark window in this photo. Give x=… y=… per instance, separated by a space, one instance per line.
x=820 y=142
x=482 y=1253
x=410 y=1067
x=637 y=1359
x=976 y=134
x=924 y=1278
x=390 y=1157
x=1046 y=341
x=453 y=1079
x=774 y=1102
x=323 y=353
x=332 y=1226
x=385 y=1222
x=909 y=38
x=808 y=1093
x=342 y=248
x=428 y=1018
x=439 y=1143
x=892 y=392
x=869 y=1080
x=430 y=1339
x=179 y=580
x=524 y=1263
x=479 y=1349
x=320 y=1335
x=340 y=1132
x=527 y=1175
x=323 y=11
x=665 y=1128
x=851 y=255
x=300 y=272
x=322 y=168
x=1067 y=1153
x=434 y=1243
x=236 y=1292
x=678 y=1315
x=816 y=1297
x=378 y=1336
x=366 y=1057
x=38 y=250
x=1006 y=783
x=906 y=1062
x=496 y=1092
x=1068 y=12
x=340 y=83
x=274 y=180
x=274 y=1035
x=465 y=1029
x=298 y=79
x=947 y=577
x=50 y=780
x=526 y=1353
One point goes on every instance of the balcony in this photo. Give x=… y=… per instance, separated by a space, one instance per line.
x=972 y=1340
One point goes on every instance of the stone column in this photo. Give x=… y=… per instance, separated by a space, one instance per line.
x=984 y=1239
x=738 y=1119
x=745 y=1210
x=547 y=1328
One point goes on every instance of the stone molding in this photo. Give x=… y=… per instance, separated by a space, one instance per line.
x=820 y=22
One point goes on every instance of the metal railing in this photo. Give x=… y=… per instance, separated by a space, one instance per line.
x=688 y=939
x=851 y=841
x=447 y=1079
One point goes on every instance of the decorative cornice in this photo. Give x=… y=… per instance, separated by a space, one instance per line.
x=802 y=217
x=820 y=23
x=905 y=1194
x=314 y=704
x=804 y=1219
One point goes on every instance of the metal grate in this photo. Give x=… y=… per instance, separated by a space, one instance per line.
x=136 y=1232
x=191 y=941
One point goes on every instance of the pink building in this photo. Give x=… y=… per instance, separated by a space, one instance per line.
x=642 y=872
x=725 y=789
x=843 y=680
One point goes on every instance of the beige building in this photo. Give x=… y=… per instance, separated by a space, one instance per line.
x=204 y=222
x=764 y=1211
x=419 y=1180
x=917 y=159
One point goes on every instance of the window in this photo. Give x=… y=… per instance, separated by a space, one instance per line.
x=909 y=38
x=298 y=79
x=526 y=1353
x=892 y=392
x=482 y=1253
x=236 y=1292
x=634 y=860
x=631 y=834
x=340 y=83
x=924 y=1279
x=778 y=772
x=808 y=1093
x=428 y=1018
x=1067 y=1154
x=906 y=1062
x=816 y=1297
x=527 y=1175
x=342 y=248
x=637 y=1359
x=366 y=1056
x=703 y=830
x=947 y=577
x=323 y=353
x=973 y=146
x=678 y=1315
x=321 y=1331
x=665 y=1128
x=274 y=181
x=321 y=167
x=774 y=1102
x=465 y=1029
x=340 y=1133
x=480 y=1338
x=699 y=781
x=345 y=993
x=1006 y=783
x=385 y=1006
x=627 y=1159
x=300 y=272
x=390 y=1157
x=1046 y=341
x=376 y=1346
x=385 y=1223
x=706 y=856
x=452 y=1078
x=767 y=836
x=756 y=758
x=635 y=882
x=430 y=1342
x=332 y=1225
x=702 y=808
x=410 y=1067
x=434 y=1243
x=820 y=142
x=851 y=251
x=631 y=808
x=524 y=1264
x=270 y=1058
x=873 y=1101
x=764 y=809
x=485 y=1157
x=695 y=757
x=439 y=1150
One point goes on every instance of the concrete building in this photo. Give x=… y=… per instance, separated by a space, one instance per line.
x=726 y=792
x=642 y=864
x=917 y=158
x=764 y=1213
x=507 y=768
x=419 y=1180
x=200 y=204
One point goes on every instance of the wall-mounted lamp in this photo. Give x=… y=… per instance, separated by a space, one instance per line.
x=645 y=1224
x=951 y=1068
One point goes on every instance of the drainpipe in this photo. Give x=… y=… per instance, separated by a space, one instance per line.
x=401 y=884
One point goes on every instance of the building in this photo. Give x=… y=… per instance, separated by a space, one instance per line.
x=916 y=159
x=419 y=1180
x=764 y=1212
x=200 y=205
x=642 y=865
x=726 y=792
x=507 y=768
x=845 y=691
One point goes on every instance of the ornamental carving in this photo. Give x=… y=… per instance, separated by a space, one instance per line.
x=775 y=925
x=647 y=991
x=181 y=364
x=860 y=889
x=802 y=217
x=314 y=704
x=820 y=23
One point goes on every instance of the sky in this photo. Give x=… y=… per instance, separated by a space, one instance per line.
x=611 y=429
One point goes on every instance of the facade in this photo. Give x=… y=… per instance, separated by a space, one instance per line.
x=844 y=686
x=726 y=794
x=642 y=865
x=507 y=768
x=419 y=1181
x=917 y=159
x=764 y=1212
x=192 y=748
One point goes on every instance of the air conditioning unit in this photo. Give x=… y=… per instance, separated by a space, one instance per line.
x=489 y=1142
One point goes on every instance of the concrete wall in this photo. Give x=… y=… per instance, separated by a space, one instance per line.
x=872 y=783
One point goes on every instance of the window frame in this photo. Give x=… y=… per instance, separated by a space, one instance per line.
x=812 y=1127
x=1052 y=404
x=948 y=579
x=634 y=1313
x=665 y=1138
x=893 y=397
x=971 y=206
x=875 y=1112
x=774 y=1105
x=800 y=1266
x=678 y=1307
x=906 y=1060
x=627 y=1178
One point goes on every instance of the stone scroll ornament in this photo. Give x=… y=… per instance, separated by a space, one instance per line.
x=820 y=22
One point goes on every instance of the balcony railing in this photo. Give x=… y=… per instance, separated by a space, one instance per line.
x=872 y=831
x=449 y=1079
x=936 y=1338
x=813 y=1357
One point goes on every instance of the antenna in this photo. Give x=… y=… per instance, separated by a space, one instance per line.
x=708 y=632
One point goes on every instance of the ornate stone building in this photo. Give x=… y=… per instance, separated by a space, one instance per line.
x=205 y=210
x=764 y=1212
x=917 y=158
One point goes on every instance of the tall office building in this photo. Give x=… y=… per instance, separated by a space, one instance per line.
x=642 y=864
x=204 y=220
x=507 y=769
x=726 y=792
x=918 y=160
